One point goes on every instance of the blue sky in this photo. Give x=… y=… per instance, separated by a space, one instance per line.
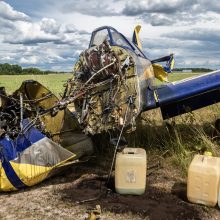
x=50 y=34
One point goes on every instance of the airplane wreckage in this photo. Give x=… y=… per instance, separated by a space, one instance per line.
x=113 y=82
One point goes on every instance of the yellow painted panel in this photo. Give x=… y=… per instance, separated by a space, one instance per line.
x=5 y=184
x=30 y=174
x=160 y=73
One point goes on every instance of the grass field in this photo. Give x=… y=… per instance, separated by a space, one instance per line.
x=178 y=76
x=55 y=81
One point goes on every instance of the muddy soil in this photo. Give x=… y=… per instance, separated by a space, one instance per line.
x=60 y=198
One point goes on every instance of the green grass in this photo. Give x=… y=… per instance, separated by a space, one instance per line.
x=55 y=81
x=180 y=138
x=52 y=81
x=178 y=76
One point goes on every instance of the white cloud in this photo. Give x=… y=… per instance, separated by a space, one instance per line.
x=70 y=28
x=97 y=8
x=6 y=59
x=29 y=60
x=49 y=25
x=44 y=31
x=7 y=12
x=133 y=8
x=29 y=33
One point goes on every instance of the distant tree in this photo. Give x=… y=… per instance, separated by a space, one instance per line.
x=8 y=69
x=17 y=69
x=194 y=70
x=31 y=70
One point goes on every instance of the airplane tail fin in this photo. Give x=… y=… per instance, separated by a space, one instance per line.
x=136 y=38
x=161 y=72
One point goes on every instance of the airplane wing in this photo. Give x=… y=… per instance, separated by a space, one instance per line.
x=185 y=95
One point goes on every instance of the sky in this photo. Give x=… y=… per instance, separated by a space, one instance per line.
x=50 y=34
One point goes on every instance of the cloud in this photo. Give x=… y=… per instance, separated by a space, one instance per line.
x=44 y=44
x=70 y=28
x=135 y=8
x=49 y=25
x=6 y=25
x=29 y=60
x=44 y=56
x=22 y=30
x=175 y=19
x=45 y=31
x=197 y=51
x=97 y=8
x=173 y=12
x=7 y=12
x=197 y=34
x=29 y=33
x=207 y=5
x=158 y=20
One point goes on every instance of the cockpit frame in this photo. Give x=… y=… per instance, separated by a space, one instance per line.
x=112 y=31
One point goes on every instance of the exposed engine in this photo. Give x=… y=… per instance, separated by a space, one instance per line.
x=104 y=75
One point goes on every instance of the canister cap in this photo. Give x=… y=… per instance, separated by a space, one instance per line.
x=207 y=153
x=136 y=151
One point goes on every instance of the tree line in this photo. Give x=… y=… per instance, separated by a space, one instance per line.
x=194 y=70
x=11 y=69
x=14 y=69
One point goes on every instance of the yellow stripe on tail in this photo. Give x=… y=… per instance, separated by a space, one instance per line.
x=136 y=36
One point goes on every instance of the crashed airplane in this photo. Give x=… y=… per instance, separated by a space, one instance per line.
x=113 y=82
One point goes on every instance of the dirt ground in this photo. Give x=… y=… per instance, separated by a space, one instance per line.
x=57 y=197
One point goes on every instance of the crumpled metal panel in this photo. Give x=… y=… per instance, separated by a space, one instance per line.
x=35 y=143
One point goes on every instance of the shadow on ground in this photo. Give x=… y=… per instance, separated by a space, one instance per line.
x=156 y=203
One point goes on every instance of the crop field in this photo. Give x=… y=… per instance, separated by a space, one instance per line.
x=55 y=81
x=170 y=146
